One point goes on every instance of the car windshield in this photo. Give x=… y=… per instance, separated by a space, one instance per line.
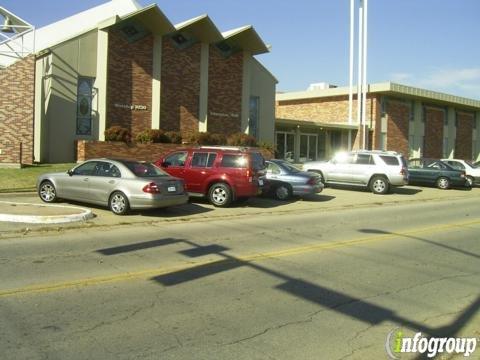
x=290 y=167
x=144 y=169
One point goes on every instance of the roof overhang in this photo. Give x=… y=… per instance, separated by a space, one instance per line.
x=389 y=89
x=320 y=125
x=245 y=38
x=150 y=17
x=201 y=28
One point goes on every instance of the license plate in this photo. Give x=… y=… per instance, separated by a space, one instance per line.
x=172 y=189
x=260 y=182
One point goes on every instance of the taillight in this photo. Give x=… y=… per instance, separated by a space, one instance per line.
x=312 y=181
x=249 y=176
x=403 y=171
x=463 y=174
x=151 y=188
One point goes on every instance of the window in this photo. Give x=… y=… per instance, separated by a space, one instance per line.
x=106 y=169
x=390 y=160
x=144 y=169
x=203 y=159
x=273 y=169
x=364 y=159
x=86 y=169
x=253 y=116
x=234 y=161
x=84 y=106
x=176 y=159
x=258 y=162
x=456 y=165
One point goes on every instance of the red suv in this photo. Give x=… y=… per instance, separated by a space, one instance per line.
x=223 y=174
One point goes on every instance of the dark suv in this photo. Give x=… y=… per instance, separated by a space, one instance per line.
x=223 y=174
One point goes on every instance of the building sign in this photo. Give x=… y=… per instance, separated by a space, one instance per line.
x=225 y=115
x=131 y=107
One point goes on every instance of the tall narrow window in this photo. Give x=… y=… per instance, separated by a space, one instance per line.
x=254 y=115
x=84 y=106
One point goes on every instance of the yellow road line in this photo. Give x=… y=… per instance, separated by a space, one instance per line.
x=145 y=274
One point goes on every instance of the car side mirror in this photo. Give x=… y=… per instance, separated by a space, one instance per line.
x=70 y=172
x=165 y=164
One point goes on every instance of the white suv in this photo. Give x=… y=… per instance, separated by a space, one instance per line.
x=377 y=170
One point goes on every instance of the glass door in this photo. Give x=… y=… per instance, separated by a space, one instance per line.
x=285 y=143
x=308 y=147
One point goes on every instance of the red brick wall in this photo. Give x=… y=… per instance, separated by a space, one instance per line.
x=225 y=78
x=180 y=88
x=464 y=138
x=90 y=149
x=434 y=120
x=397 y=127
x=17 y=92
x=130 y=67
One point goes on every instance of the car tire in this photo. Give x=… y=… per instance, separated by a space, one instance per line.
x=470 y=181
x=118 y=203
x=443 y=183
x=283 y=192
x=220 y=195
x=47 y=192
x=379 y=185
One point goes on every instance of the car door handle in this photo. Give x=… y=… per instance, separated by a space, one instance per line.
x=85 y=179
x=111 y=182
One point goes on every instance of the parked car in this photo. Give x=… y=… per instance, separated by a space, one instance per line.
x=222 y=174
x=435 y=172
x=119 y=184
x=374 y=169
x=284 y=180
x=472 y=172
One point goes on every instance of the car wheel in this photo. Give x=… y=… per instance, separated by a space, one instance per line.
x=443 y=183
x=220 y=195
x=282 y=192
x=47 y=192
x=118 y=203
x=379 y=185
x=470 y=180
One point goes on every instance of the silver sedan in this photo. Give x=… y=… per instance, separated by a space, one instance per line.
x=119 y=184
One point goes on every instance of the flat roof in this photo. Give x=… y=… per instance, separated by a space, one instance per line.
x=388 y=88
x=311 y=123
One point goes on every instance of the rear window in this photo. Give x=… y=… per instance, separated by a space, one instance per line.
x=144 y=169
x=234 y=161
x=258 y=162
x=390 y=160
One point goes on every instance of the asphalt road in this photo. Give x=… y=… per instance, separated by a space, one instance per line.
x=263 y=285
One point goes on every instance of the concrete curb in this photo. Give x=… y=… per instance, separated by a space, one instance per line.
x=83 y=215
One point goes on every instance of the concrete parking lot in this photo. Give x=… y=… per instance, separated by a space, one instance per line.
x=200 y=210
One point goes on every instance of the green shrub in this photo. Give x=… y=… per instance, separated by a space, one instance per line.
x=152 y=136
x=206 y=138
x=118 y=133
x=174 y=136
x=241 y=139
x=267 y=146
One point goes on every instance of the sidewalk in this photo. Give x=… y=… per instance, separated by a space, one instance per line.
x=46 y=216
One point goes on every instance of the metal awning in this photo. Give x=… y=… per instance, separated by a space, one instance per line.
x=320 y=125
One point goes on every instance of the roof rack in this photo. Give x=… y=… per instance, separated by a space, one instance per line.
x=219 y=147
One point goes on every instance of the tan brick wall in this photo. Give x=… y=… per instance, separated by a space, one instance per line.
x=464 y=138
x=225 y=78
x=434 y=120
x=130 y=67
x=17 y=92
x=180 y=90
x=397 y=127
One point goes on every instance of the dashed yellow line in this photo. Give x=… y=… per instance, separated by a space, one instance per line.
x=146 y=274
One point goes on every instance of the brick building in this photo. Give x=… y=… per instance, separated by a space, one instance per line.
x=314 y=124
x=123 y=64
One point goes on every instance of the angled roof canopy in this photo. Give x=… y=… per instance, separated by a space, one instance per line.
x=202 y=28
x=245 y=38
x=151 y=17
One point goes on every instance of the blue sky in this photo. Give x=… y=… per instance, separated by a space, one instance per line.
x=426 y=43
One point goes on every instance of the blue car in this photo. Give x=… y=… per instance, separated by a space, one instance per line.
x=284 y=180
x=435 y=173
